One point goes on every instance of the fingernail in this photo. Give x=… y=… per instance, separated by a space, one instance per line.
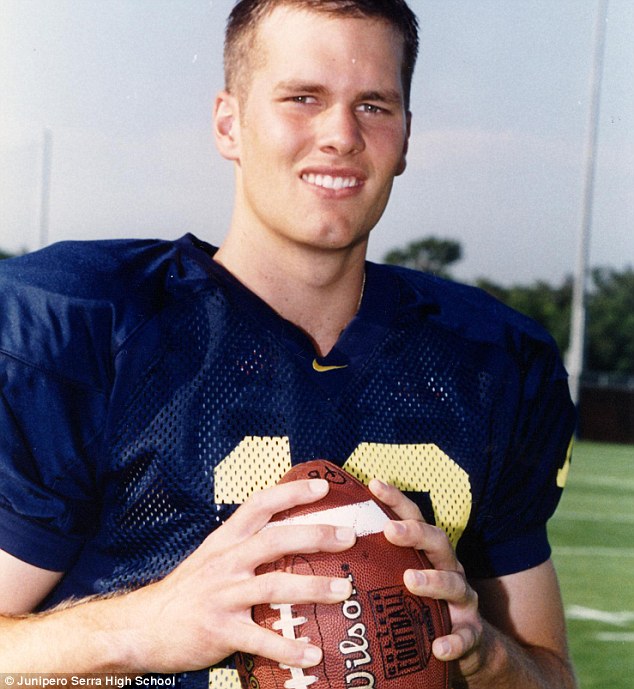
x=399 y=527
x=415 y=578
x=318 y=486
x=442 y=649
x=345 y=534
x=312 y=656
x=379 y=483
x=340 y=586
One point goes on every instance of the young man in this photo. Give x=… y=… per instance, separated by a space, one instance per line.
x=149 y=388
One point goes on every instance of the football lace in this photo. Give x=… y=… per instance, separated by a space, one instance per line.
x=286 y=624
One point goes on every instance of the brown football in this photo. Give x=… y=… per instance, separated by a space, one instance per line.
x=381 y=636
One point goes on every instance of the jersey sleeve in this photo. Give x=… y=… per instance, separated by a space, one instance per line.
x=53 y=399
x=66 y=312
x=531 y=438
x=49 y=430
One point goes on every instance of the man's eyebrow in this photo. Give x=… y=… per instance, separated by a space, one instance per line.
x=300 y=87
x=385 y=96
x=389 y=96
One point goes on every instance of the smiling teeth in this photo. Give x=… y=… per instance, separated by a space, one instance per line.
x=329 y=182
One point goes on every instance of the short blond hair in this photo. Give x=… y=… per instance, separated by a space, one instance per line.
x=241 y=54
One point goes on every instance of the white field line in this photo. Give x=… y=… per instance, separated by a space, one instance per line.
x=592 y=551
x=618 y=637
x=618 y=619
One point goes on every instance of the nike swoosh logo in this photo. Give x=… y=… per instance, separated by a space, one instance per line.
x=323 y=369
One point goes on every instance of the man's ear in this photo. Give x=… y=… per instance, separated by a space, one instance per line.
x=408 y=129
x=227 y=125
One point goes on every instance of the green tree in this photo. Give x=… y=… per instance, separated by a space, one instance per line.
x=3 y=254
x=610 y=322
x=431 y=255
x=609 y=344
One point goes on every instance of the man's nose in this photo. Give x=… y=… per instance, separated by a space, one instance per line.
x=339 y=131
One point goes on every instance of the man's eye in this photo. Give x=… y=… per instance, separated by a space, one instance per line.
x=371 y=109
x=305 y=100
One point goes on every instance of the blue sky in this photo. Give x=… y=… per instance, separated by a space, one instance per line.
x=501 y=102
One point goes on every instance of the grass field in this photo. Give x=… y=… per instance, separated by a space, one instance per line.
x=593 y=548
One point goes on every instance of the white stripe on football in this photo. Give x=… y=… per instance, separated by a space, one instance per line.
x=364 y=517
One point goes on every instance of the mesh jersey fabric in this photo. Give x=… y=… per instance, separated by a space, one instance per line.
x=145 y=393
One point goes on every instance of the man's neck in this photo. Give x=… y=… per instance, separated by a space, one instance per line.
x=319 y=292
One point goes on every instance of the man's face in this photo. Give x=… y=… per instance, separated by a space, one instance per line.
x=322 y=129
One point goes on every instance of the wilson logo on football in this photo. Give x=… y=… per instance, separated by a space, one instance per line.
x=356 y=643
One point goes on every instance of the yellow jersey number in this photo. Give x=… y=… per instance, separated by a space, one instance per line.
x=258 y=462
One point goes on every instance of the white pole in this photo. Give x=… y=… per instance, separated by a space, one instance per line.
x=575 y=355
x=45 y=191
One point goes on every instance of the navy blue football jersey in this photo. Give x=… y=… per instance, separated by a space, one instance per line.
x=145 y=393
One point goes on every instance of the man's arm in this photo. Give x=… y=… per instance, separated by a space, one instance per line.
x=507 y=633
x=194 y=617
x=525 y=607
x=41 y=643
x=23 y=586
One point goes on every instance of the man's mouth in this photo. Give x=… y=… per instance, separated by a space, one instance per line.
x=330 y=181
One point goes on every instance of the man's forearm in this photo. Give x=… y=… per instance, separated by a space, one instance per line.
x=89 y=636
x=505 y=664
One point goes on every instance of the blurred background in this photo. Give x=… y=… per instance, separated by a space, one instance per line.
x=520 y=179
x=501 y=105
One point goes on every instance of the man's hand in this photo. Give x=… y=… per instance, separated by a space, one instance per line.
x=446 y=581
x=200 y=612
x=521 y=644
